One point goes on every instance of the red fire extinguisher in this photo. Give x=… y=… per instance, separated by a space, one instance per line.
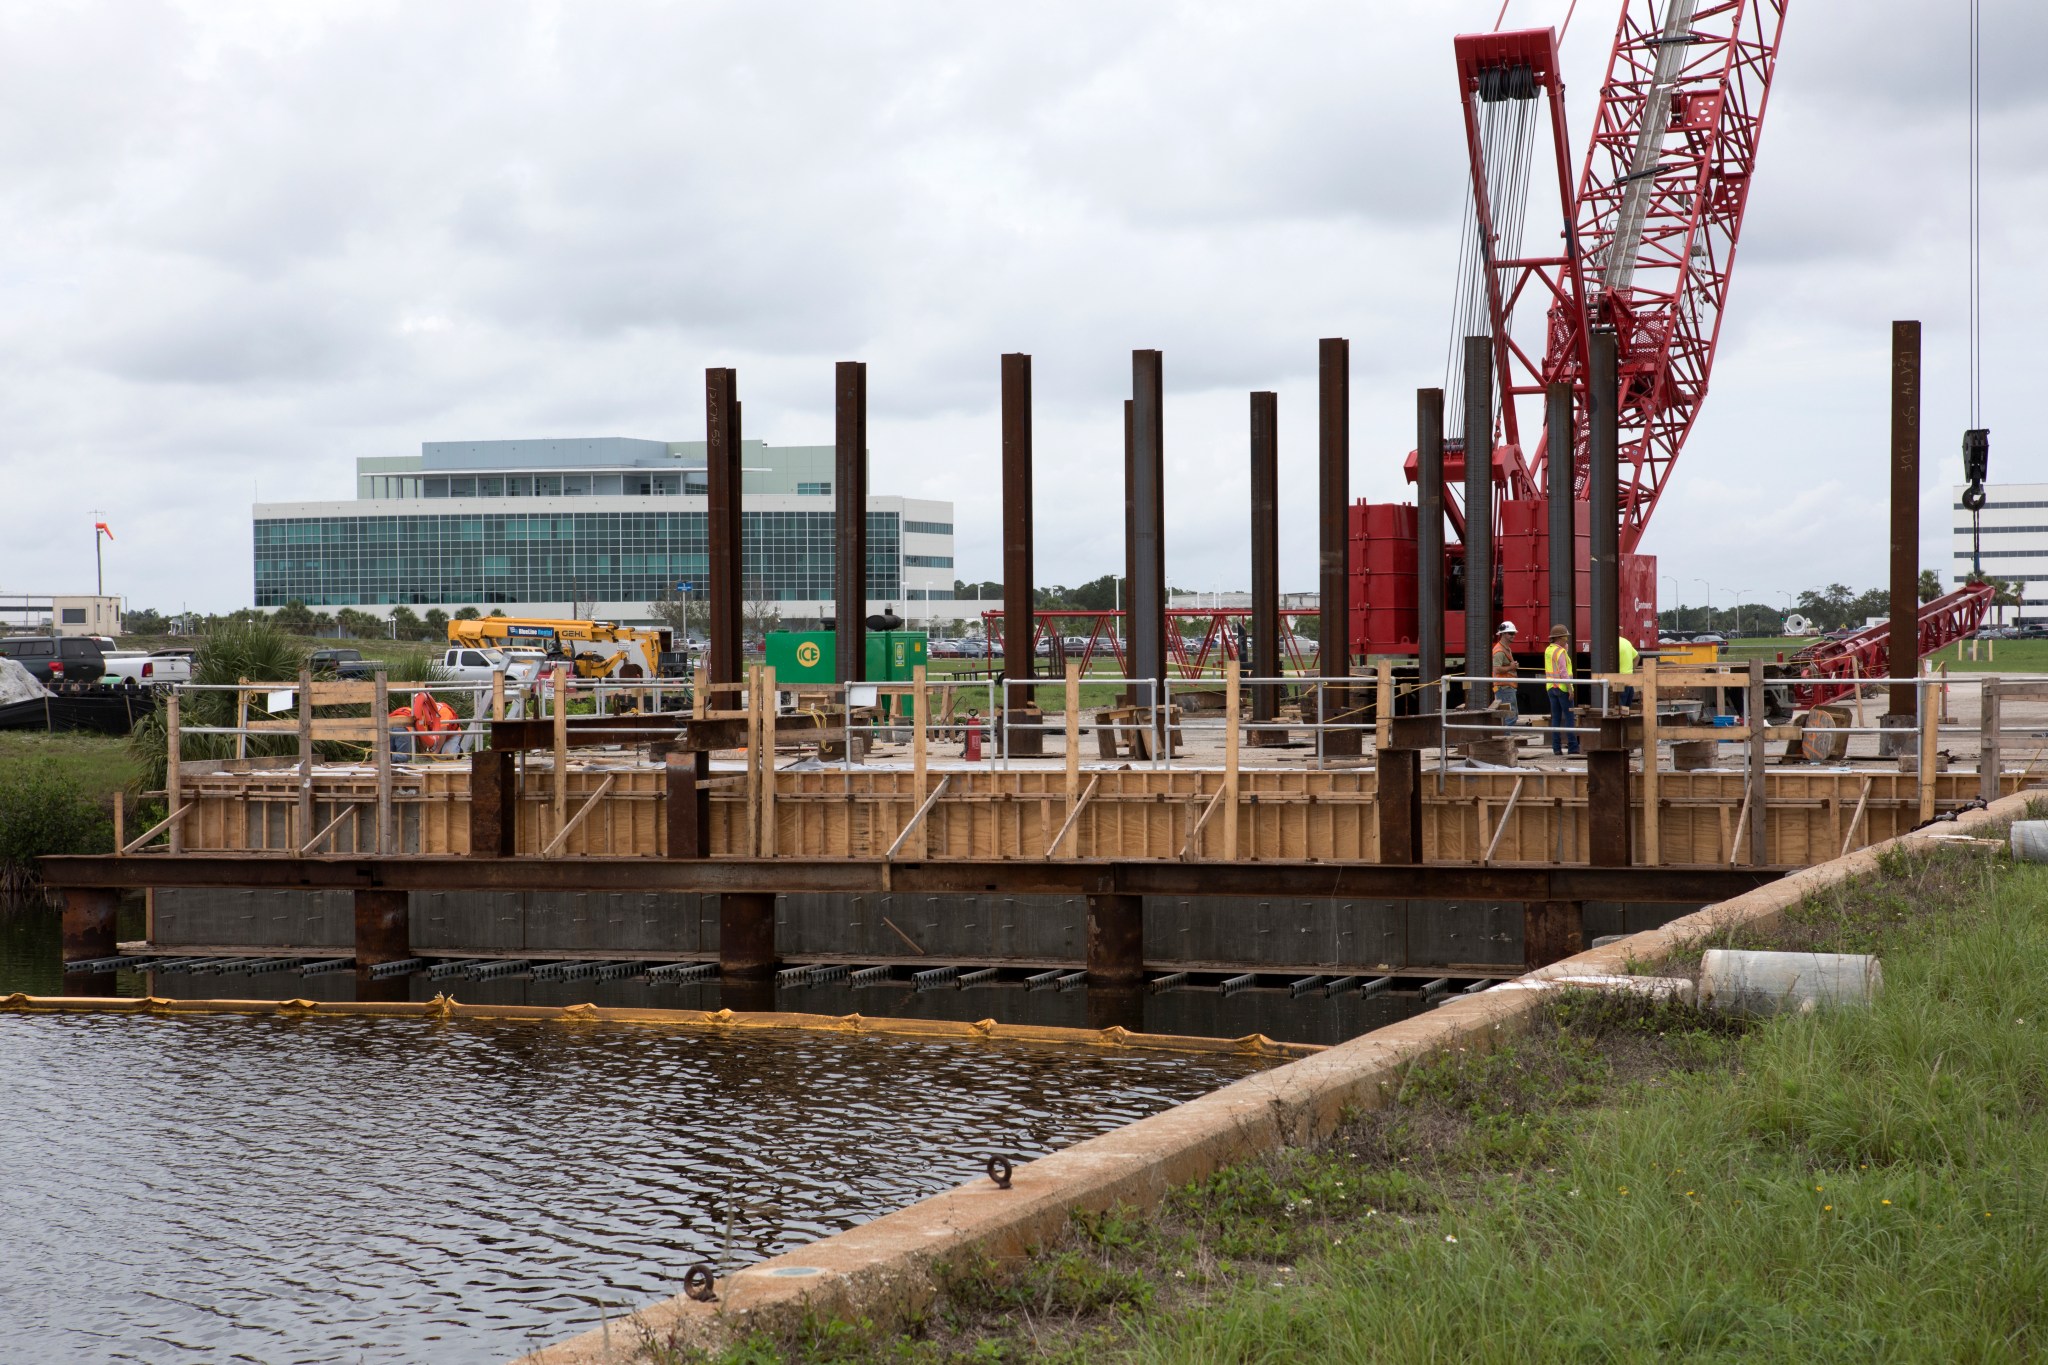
x=972 y=751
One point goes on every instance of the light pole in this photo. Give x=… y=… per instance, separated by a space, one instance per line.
x=1676 y=605
x=1710 y=600
x=1738 y=609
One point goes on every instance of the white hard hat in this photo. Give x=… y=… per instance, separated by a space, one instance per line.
x=1507 y=628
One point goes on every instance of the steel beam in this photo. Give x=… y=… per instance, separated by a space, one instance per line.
x=1603 y=398
x=1429 y=540
x=1333 y=510
x=493 y=804
x=1558 y=475
x=1903 y=649
x=1116 y=940
x=1478 y=513
x=1147 y=606
x=1020 y=655
x=723 y=481
x=746 y=935
x=1398 y=801
x=1265 y=657
x=383 y=926
x=873 y=876
x=850 y=520
x=89 y=922
x=1607 y=807
x=1552 y=931
x=687 y=807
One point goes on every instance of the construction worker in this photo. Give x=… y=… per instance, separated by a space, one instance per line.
x=1627 y=655
x=1557 y=686
x=1503 y=666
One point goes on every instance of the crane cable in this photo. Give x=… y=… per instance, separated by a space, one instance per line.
x=1977 y=438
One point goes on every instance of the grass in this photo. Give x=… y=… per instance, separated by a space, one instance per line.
x=2008 y=656
x=95 y=766
x=1627 y=1182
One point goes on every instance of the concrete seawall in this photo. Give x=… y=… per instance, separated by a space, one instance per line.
x=883 y=1269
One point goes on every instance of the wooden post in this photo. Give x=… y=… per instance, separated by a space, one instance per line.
x=1384 y=738
x=753 y=707
x=920 y=741
x=1930 y=740
x=497 y=694
x=768 y=841
x=1230 y=723
x=174 y=741
x=305 y=829
x=561 y=787
x=700 y=693
x=1760 y=794
x=1989 y=751
x=120 y=810
x=1653 y=849
x=1073 y=704
x=241 y=721
x=380 y=716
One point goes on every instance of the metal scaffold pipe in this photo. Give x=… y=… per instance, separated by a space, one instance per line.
x=1478 y=506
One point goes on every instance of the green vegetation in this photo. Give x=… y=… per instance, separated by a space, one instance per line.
x=1996 y=656
x=56 y=796
x=1626 y=1182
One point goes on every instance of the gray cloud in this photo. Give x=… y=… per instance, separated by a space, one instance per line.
x=250 y=244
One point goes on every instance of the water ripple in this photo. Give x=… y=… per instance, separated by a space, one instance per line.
x=285 y=1190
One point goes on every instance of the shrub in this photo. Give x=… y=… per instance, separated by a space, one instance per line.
x=42 y=812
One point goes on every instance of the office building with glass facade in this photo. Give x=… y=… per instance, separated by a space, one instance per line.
x=600 y=526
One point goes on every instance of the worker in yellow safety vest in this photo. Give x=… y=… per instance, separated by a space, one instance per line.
x=1627 y=655
x=1557 y=686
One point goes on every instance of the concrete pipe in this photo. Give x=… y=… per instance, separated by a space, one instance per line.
x=1737 y=981
x=2030 y=841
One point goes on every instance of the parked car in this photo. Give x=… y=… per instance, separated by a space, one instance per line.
x=56 y=659
x=142 y=668
x=2035 y=630
x=339 y=663
x=1996 y=633
x=1709 y=637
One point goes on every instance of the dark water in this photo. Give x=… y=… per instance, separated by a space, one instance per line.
x=226 y=1188
x=29 y=961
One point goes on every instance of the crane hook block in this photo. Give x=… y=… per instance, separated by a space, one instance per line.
x=1976 y=466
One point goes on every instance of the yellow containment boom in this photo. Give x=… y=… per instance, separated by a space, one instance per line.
x=638 y=653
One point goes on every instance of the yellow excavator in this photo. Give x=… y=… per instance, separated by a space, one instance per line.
x=586 y=644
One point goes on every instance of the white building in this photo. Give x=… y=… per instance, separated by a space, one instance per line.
x=598 y=526
x=2015 y=534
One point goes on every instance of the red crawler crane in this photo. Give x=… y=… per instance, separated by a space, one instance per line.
x=1647 y=248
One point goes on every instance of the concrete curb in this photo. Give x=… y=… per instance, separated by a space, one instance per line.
x=883 y=1270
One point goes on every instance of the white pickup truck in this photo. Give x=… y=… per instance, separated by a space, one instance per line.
x=466 y=663
x=140 y=668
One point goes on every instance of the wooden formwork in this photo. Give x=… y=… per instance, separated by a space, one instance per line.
x=613 y=806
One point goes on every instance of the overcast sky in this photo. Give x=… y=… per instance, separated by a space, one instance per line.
x=249 y=242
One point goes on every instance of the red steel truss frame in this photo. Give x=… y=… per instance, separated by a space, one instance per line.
x=1650 y=235
x=1863 y=654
